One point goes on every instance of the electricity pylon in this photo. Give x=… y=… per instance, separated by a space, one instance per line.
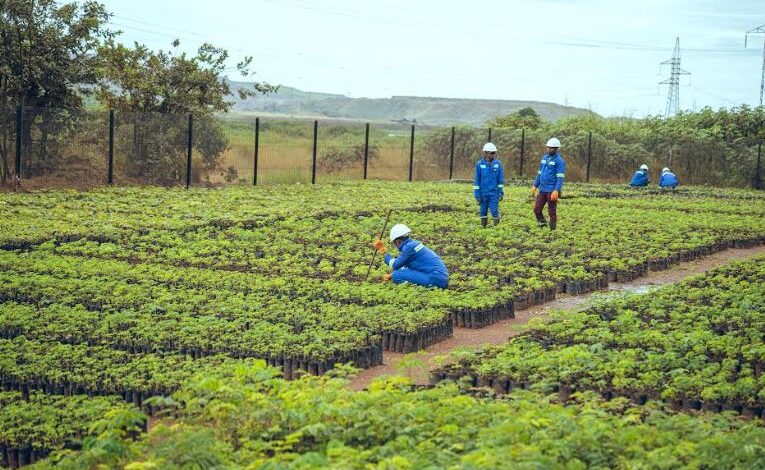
x=758 y=30
x=673 y=97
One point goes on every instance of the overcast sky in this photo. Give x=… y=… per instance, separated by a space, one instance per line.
x=588 y=53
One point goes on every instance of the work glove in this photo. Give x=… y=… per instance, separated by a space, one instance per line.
x=501 y=196
x=379 y=246
x=554 y=196
x=534 y=191
x=478 y=201
x=386 y=278
x=476 y=195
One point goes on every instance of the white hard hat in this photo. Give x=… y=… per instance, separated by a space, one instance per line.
x=489 y=147
x=554 y=142
x=665 y=170
x=643 y=166
x=399 y=230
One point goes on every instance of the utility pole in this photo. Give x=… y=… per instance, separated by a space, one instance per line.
x=758 y=30
x=673 y=97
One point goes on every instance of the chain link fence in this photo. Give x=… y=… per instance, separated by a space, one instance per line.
x=61 y=149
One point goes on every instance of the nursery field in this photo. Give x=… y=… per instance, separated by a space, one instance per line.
x=128 y=295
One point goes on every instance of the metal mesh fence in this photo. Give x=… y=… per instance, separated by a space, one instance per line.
x=468 y=143
x=392 y=143
x=340 y=151
x=285 y=151
x=151 y=148
x=61 y=149
x=235 y=162
x=431 y=154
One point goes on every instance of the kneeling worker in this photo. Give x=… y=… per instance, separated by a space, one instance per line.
x=640 y=178
x=668 y=179
x=416 y=263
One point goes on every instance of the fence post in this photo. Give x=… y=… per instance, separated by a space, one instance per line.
x=589 y=155
x=523 y=150
x=489 y=140
x=411 y=155
x=188 y=150
x=257 y=149
x=315 y=140
x=451 y=155
x=366 y=150
x=758 y=172
x=110 y=177
x=19 y=122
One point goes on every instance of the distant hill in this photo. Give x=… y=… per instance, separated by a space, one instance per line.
x=437 y=111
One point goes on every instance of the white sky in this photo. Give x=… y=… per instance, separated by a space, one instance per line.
x=589 y=53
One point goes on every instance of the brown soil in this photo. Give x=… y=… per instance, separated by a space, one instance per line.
x=499 y=333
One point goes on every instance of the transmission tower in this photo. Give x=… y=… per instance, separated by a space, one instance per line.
x=673 y=97
x=759 y=30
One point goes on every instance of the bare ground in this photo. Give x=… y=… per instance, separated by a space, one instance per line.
x=500 y=332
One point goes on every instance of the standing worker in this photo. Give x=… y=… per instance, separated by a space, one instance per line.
x=668 y=179
x=641 y=177
x=548 y=183
x=489 y=184
x=416 y=263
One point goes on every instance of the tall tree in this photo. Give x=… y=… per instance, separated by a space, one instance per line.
x=48 y=57
x=157 y=90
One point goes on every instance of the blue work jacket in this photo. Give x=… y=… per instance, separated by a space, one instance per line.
x=489 y=178
x=552 y=170
x=668 y=180
x=640 y=178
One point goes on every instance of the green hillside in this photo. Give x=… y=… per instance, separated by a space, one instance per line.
x=425 y=110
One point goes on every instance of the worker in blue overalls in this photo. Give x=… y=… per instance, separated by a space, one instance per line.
x=489 y=184
x=416 y=263
x=641 y=177
x=668 y=179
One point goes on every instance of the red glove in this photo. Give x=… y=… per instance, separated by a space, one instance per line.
x=554 y=196
x=379 y=246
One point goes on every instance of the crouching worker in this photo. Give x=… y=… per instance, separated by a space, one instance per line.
x=416 y=263
x=668 y=179
x=640 y=178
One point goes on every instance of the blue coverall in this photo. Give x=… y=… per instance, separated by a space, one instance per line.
x=640 y=178
x=418 y=265
x=489 y=186
x=668 y=180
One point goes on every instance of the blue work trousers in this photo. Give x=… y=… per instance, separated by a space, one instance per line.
x=489 y=203
x=419 y=278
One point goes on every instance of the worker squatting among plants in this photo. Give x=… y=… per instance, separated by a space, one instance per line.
x=668 y=180
x=416 y=263
x=641 y=177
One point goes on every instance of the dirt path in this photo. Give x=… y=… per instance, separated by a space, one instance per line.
x=499 y=333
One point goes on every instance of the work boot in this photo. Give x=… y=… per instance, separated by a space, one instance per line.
x=496 y=221
x=553 y=224
x=541 y=223
x=484 y=221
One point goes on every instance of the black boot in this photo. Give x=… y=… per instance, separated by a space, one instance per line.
x=496 y=221
x=541 y=222
x=484 y=221
x=553 y=224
